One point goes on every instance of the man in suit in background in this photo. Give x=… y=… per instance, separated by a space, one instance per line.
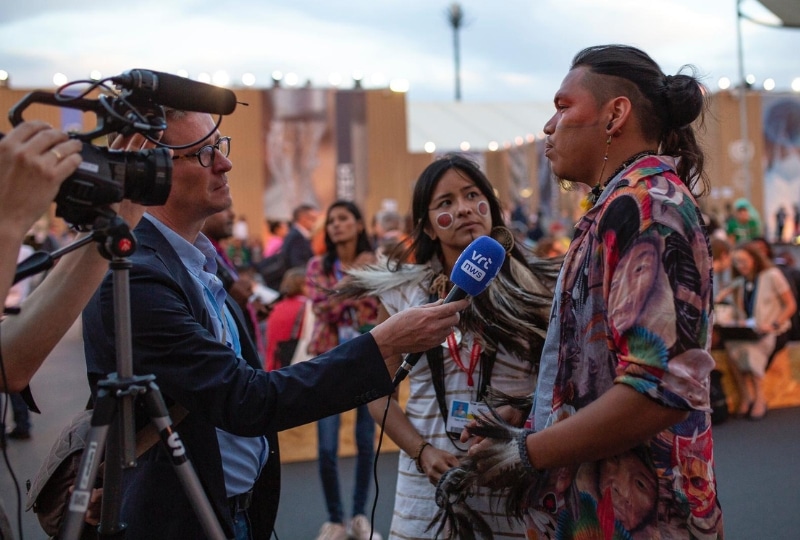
x=296 y=248
x=187 y=332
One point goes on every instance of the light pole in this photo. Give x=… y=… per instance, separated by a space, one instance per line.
x=455 y=16
x=746 y=145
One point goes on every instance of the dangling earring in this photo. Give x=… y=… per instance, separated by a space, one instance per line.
x=605 y=160
x=593 y=195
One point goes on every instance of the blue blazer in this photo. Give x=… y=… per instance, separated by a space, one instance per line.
x=296 y=248
x=172 y=338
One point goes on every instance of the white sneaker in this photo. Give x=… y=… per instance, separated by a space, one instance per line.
x=359 y=529
x=332 y=531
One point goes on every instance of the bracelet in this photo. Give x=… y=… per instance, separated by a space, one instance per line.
x=523 y=453
x=420 y=448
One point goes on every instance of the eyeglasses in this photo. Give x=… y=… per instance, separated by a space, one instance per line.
x=206 y=153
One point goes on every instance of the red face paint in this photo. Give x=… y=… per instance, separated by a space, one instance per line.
x=483 y=208
x=444 y=220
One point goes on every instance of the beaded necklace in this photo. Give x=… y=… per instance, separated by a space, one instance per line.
x=593 y=195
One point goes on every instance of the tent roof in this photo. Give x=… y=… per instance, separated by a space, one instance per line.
x=788 y=11
x=448 y=124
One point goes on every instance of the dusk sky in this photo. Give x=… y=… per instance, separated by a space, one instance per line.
x=511 y=50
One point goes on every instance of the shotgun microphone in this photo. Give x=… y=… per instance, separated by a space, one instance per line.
x=475 y=268
x=178 y=92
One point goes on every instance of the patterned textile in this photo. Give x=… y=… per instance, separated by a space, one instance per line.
x=332 y=311
x=632 y=306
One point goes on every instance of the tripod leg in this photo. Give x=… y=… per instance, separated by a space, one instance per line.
x=102 y=418
x=159 y=415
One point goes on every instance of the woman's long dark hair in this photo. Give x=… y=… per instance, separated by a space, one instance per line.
x=362 y=244
x=422 y=248
x=487 y=315
x=666 y=105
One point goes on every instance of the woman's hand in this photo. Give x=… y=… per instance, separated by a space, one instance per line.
x=435 y=463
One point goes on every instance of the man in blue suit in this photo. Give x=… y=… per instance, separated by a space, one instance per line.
x=187 y=332
x=296 y=248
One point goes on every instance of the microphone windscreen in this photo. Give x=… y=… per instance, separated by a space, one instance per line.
x=478 y=265
x=179 y=92
x=195 y=96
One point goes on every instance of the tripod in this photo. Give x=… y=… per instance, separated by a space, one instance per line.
x=113 y=413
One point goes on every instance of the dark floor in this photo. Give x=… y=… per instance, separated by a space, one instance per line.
x=757 y=465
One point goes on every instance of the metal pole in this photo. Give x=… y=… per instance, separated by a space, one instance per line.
x=455 y=16
x=744 y=134
x=457 y=58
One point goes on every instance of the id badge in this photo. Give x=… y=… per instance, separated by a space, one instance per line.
x=462 y=413
x=346 y=333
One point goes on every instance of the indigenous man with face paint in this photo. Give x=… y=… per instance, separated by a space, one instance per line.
x=623 y=389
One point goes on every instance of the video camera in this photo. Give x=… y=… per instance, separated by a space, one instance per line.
x=136 y=104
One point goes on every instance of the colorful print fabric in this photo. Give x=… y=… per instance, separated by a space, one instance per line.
x=632 y=306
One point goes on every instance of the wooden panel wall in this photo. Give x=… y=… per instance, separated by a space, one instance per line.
x=392 y=170
x=247 y=178
x=722 y=128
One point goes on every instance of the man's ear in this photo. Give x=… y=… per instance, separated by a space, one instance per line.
x=619 y=113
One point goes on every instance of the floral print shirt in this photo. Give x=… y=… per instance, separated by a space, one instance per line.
x=633 y=306
x=334 y=317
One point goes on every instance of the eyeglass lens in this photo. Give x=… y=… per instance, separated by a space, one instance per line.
x=206 y=153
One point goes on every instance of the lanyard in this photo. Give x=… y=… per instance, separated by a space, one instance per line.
x=474 y=356
x=749 y=297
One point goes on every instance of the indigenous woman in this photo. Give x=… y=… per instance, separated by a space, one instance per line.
x=494 y=350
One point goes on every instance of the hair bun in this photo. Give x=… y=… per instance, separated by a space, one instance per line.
x=684 y=99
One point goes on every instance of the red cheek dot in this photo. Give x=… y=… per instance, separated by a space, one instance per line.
x=444 y=220
x=483 y=208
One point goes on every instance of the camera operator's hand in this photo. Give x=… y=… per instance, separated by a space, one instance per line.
x=34 y=159
x=66 y=290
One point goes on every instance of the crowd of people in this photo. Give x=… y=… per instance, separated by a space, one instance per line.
x=569 y=399
x=756 y=296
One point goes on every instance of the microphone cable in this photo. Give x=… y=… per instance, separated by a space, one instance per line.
x=375 y=467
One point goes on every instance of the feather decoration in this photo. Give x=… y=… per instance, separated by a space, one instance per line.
x=455 y=518
x=496 y=398
x=497 y=467
x=514 y=311
x=377 y=279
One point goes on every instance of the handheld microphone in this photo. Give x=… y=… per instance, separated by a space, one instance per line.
x=475 y=268
x=178 y=92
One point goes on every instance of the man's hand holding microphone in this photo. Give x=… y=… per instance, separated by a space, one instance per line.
x=417 y=331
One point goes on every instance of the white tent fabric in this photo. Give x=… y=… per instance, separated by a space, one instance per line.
x=449 y=124
x=788 y=11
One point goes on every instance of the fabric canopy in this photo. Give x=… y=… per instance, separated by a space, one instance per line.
x=450 y=124
x=788 y=11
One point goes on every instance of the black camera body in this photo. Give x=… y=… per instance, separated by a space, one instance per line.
x=107 y=176
x=135 y=105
